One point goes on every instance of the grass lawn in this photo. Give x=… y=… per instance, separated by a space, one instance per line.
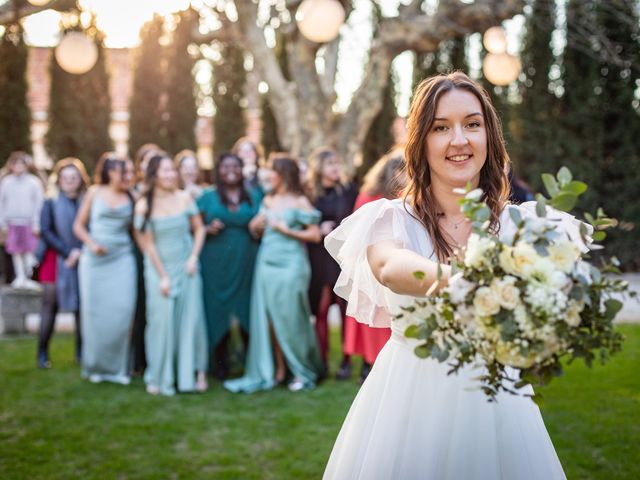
x=54 y=425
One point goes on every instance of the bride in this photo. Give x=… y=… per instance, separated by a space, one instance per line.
x=410 y=419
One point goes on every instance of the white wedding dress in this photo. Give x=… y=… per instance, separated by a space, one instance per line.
x=410 y=419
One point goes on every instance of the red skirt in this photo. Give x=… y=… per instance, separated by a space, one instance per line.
x=47 y=270
x=361 y=339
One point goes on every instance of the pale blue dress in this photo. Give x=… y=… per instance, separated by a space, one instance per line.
x=108 y=294
x=279 y=297
x=175 y=334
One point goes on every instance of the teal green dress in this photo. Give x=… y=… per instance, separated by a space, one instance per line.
x=175 y=335
x=228 y=261
x=280 y=297
x=108 y=293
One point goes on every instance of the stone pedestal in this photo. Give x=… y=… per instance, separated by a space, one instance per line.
x=15 y=305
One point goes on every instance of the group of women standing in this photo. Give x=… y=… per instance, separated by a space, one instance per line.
x=245 y=250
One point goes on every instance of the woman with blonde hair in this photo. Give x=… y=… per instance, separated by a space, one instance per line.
x=334 y=197
x=411 y=419
x=252 y=156
x=58 y=273
x=188 y=172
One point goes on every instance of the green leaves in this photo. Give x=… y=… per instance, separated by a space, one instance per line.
x=562 y=189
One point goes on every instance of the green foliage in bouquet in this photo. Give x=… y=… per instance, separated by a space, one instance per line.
x=518 y=306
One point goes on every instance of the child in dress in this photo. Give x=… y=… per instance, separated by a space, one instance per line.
x=21 y=197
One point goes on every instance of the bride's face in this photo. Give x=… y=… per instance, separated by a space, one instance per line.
x=457 y=142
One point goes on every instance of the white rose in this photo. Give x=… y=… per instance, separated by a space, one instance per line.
x=508 y=294
x=459 y=289
x=477 y=249
x=518 y=260
x=545 y=273
x=486 y=302
x=564 y=255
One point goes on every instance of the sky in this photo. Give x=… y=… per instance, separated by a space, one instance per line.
x=121 y=20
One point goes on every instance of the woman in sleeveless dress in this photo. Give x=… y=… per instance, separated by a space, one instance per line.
x=107 y=272
x=410 y=419
x=175 y=334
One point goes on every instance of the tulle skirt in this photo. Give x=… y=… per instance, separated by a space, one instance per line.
x=411 y=420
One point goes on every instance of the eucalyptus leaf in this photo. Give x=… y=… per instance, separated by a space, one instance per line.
x=515 y=215
x=564 y=176
x=550 y=184
x=599 y=236
x=541 y=206
x=575 y=187
x=564 y=201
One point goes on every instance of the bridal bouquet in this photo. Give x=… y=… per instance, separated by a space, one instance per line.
x=518 y=306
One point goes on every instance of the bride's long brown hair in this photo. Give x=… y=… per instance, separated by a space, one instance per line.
x=493 y=176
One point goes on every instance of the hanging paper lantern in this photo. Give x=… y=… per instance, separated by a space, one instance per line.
x=501 y=68
x=76 y=53
x=320 y=20
x=495 y=40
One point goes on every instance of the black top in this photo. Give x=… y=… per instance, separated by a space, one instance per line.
x=334 y=205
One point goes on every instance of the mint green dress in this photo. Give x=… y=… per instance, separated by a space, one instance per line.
x=228 y=261
x=280 y=296
x=108 y=292
x=175 y=335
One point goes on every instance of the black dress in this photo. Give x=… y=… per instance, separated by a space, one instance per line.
x=334 y=205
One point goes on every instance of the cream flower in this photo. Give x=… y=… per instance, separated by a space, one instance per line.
x=476 y=254
x=518 y=260
x=564 y=255
x=572 y=315
x=486 y=302
x=508 y=294
x=509 y=355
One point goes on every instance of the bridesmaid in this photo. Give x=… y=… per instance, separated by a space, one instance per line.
x=280 y=317
x=175 y=337
x=188 y=172
x=228 y=256
x=107 y=271
x=385 y=179
x=334 y=197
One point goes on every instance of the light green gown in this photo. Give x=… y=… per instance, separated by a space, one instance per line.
x=280 y=296
x=175 y=335
x=108 y=293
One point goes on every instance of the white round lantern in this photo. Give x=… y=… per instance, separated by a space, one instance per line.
x=76 y=53
x=320 y=20
x=38 y=3
x=501 y=68
x=495 y=40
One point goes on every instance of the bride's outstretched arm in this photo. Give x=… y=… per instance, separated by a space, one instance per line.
x=394 y=267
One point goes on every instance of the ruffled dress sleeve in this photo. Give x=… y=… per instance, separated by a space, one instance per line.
x=307 y=217
x=381 y=220
x=566 y=223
